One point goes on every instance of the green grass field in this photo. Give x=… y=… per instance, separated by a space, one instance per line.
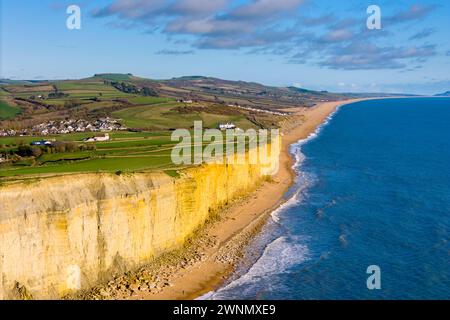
x=74 y=90
x=7 y=111
x=124 y=135
x=165 y=116
x=93 y=165
x=4 y=93
x=149 y=100
x=114 y=76
x=126 y=152
x=90 y=86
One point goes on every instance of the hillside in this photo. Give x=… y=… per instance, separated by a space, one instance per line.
x=175 y=102
x=444 y=94
x=146 y=104
x=196 y=87
x=138 y=113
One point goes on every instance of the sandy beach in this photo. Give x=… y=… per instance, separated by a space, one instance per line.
x=210 y=258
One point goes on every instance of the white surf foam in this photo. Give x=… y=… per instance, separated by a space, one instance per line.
x=291 y=202
x=303 y=180
x=280 y=254
x=277 y=258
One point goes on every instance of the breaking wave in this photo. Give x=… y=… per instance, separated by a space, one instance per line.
x=277 y=258
x=283 y=252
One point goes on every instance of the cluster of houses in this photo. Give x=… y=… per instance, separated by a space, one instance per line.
x=9 y=133
x=67 y=126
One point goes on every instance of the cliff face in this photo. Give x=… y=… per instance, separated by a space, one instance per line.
x=62 y=234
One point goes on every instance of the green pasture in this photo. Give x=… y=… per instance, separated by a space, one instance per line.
x=164 y=116
x=148 y=100
x=7 y=111
x=116 y=135
x=127 y=152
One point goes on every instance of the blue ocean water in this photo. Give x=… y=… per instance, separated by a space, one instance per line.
x=373 y=188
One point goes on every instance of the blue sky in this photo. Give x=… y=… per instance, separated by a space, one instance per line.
x=314 y=44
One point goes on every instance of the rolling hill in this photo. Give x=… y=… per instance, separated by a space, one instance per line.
x=444 y=94
x=129 y=97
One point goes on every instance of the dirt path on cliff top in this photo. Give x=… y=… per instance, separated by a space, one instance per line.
x=238 y=223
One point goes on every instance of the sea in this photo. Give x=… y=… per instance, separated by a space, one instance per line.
x=369 y=214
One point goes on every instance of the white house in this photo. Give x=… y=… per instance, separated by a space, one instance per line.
x=185 y=101
x=228 y=125
x=105 y=137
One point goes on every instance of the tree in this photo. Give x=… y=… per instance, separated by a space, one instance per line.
x=72 y=103
x=146 y=91
x=60 y=146
x=71 y=146
x=36 y=151
x=24 y=151
x=57 y=94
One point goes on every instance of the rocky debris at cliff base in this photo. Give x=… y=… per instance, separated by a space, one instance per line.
x=233 y=251
x=154 y=277
x=20 y=292
x=160 y=273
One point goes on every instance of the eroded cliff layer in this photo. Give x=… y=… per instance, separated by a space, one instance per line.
x=62 y=234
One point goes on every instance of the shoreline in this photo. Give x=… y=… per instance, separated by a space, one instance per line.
x=213 y=253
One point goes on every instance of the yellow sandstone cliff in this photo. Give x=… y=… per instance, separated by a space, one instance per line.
x=65 y=233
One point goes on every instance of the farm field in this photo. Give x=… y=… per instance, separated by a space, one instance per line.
x=149 y=109
x=139 y=103
x=166 y=116
x=126 y=152
x=148 y=100
x=7 y=111
x=122 y=135
x=85 y=89
x=125 y=164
